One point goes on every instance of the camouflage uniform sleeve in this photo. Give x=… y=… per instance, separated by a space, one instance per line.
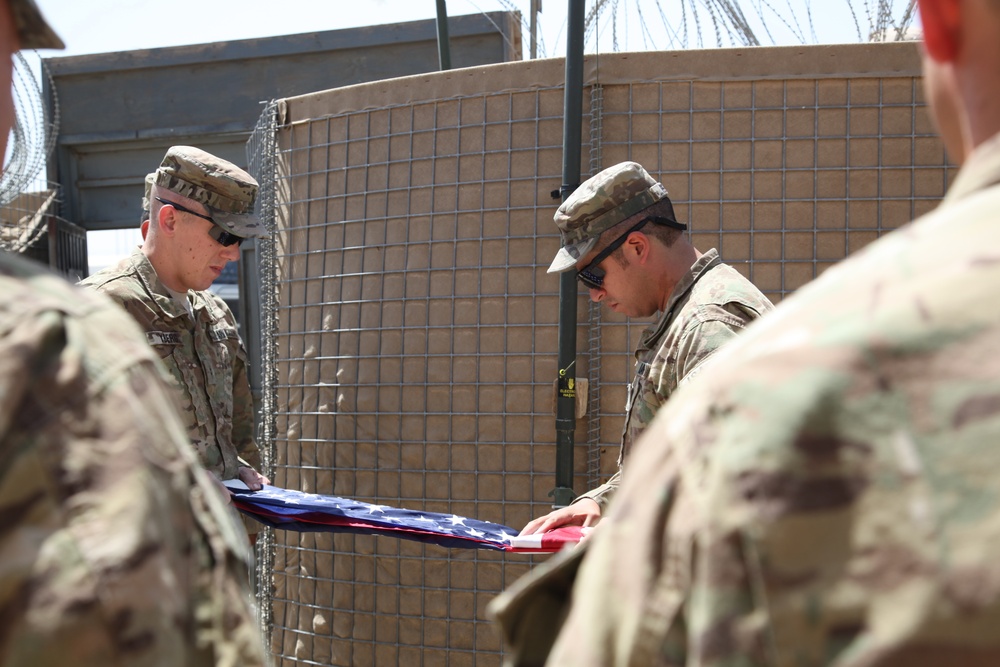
x=243 y=414
x=602 y=495
x=694 y=348
x=116 y=549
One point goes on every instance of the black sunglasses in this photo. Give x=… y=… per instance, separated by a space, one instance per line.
x=216 y=232
x=593 y=278
x=592 y=275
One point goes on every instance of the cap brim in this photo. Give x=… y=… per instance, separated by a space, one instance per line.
x=569 y=255
x=245 y=226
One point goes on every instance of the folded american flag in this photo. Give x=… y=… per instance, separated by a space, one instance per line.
x=309 y=512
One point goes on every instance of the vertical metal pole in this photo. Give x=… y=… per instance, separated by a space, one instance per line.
x=536 y=6
x=572 y=124
x=444 y=49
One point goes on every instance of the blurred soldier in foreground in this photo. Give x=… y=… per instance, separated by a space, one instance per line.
x=827 y=493
x=200 y=210
x=621 y=237
x=116 y=548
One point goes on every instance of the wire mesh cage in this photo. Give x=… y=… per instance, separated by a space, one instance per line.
x=412 y=327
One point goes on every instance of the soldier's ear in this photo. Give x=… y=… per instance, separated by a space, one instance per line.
x=942 y=25
x=639 y=243
x=166 y=219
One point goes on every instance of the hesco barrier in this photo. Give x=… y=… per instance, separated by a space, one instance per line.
x=410 y=326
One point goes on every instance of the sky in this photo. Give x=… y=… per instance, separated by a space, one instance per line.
x=102 y=26
x=98 y=26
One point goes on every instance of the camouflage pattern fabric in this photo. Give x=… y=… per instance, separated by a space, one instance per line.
x=826 y=493
x=116 y=548
x=228 y=192
x=33 y=30
x=147 y=196
x=709 y=307
x=601 y=202
x=204 y=354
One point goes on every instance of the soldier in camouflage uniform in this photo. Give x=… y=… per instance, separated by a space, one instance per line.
x=826 y=493
x=116 y=548
x=620 y=234
x=201 y=208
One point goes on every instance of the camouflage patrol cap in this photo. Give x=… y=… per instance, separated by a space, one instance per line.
x=600 y=203
x=150 y=177
x=32 y=30
x=220 y=186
